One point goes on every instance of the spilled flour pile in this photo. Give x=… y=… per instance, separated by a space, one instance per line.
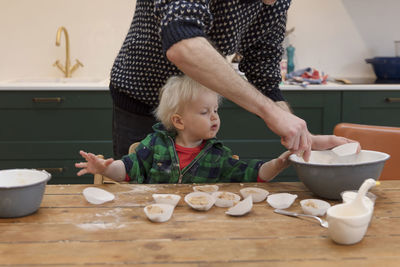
x=101 y=224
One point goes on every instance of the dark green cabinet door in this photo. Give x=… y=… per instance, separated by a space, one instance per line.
x=47 y=116
x=46 y=129
x=249 y=137
x=320 y=109
x=372 y=107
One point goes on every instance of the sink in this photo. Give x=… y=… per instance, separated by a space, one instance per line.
x=58 y=80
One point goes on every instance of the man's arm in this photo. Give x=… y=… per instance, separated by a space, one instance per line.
x=198 y=59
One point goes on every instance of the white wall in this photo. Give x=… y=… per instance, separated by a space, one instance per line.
x=28 y=30
x=334 y=36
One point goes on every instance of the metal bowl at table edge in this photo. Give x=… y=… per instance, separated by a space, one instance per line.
x=21 y=191
x=328 y=180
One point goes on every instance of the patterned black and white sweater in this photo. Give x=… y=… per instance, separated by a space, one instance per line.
x=249 y=27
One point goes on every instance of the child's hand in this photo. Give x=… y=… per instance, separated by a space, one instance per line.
x=282 y=162
x=93 y=164
x=273 y=167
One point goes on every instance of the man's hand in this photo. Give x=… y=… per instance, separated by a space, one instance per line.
x=293 y=131
x=320 y=142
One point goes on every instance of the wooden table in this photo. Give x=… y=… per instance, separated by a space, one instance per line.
x=68 y=231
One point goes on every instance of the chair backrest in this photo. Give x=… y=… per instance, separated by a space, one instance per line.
x=132 y=148
x=379 y=138
x=100 y=179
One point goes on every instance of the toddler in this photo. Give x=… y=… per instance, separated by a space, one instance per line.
x=183 y=147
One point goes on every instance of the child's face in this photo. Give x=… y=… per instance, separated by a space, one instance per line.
x=200 y=116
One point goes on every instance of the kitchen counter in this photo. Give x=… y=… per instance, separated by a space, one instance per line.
x=51 y=84
x=89 y=84
x=341 y=87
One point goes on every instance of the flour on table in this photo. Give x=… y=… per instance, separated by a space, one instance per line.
x=114 y=212
x=139 y=189
x=101 y=225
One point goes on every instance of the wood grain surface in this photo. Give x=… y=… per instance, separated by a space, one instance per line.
x=69 y=231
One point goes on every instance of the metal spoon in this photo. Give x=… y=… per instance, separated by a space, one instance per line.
x=295 y=214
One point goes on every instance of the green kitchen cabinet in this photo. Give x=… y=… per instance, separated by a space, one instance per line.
x=46 y=130
x=372 y=107
x=248 y=136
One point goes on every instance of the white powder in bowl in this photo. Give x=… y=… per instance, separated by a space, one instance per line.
x=21 y=177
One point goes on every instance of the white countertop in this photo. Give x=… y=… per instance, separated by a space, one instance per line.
x=93 y=84
x=341 y=87
x=51 y=84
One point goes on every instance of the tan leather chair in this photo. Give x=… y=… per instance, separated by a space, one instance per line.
x=379 y=138
x=100 y=179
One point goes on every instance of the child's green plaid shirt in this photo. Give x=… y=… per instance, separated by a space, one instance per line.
x=156 y=161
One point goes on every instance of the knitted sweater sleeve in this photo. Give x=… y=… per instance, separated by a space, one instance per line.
x=182 y=19
x=261 y=60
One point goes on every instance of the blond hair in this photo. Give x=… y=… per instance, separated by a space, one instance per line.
x=177 y=91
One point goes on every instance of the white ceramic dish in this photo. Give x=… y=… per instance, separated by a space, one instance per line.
x=281 y=200
x=159 y=212
x=206 y=188
x=242 y=208
x=346 y=149
x=314 y=207
x=200 y=200
x=257 y=194
x=345 y=228
x=369 y=198
x=96 y=195
x=171 y=199
x=225 y=199
x=348 y=222
x=346 y=153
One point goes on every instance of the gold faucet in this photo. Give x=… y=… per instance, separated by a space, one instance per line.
x=66 y=70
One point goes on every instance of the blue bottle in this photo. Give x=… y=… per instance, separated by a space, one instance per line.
x=290 y=58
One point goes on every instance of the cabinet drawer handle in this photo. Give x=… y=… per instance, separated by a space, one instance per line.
x=392 y=99
x=47 y=99
x=52 y=170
